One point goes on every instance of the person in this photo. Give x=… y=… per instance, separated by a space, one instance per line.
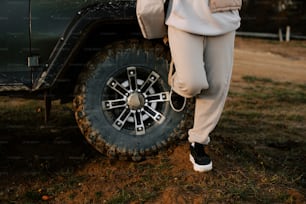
x=201 y=37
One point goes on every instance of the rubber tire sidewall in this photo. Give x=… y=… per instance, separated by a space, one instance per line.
x=147 y=55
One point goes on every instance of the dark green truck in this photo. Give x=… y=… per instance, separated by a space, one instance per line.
x=91 y=52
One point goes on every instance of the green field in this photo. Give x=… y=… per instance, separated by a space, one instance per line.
x=258 y=150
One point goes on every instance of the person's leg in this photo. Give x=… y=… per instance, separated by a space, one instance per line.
x=218 y=58
x=189 y=78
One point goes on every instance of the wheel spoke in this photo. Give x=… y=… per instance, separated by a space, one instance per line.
x=155 y=115
x=121 y=120
x=116 y=86
x=150 y=81
x=158 y=97
x=132 y=76
x=113 y=104
x=139 y=125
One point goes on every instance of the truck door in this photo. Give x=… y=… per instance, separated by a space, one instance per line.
x=14 y=42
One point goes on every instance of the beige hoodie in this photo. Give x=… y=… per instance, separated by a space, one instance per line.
x=224 y=5
x=204 y=17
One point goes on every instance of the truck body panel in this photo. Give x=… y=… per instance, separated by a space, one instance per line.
x=14 y=42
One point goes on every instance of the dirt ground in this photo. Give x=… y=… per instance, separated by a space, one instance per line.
x=280 y=61
x=67 y=170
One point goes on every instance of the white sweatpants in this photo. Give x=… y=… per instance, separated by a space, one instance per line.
x=203 y=69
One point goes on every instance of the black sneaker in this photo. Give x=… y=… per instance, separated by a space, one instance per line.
x=200 y=160
x=177 y=102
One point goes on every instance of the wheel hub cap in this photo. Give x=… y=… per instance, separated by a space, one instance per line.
x=135 y=101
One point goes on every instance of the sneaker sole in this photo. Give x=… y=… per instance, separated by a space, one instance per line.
x=200 y=168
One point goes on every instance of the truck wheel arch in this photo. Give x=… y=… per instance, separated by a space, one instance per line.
x=94 y=18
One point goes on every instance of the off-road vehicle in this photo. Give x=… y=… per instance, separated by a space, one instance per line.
x=92 y=52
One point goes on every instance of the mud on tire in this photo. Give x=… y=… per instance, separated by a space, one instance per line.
x=122 y=101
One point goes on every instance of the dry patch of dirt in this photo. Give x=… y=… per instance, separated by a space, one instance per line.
x=280 y=61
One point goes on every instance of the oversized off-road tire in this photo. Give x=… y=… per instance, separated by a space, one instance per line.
x=122 y=101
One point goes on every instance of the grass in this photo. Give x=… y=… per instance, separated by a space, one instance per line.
x=265 y=122
x=258 y=149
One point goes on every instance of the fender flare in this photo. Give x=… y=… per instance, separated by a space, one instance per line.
x=70 y=41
